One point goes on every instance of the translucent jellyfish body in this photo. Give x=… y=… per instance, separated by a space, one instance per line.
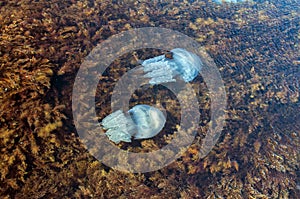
x=178 y=62
x=140 y=122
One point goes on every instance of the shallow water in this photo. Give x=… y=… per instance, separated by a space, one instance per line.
x=255 y=46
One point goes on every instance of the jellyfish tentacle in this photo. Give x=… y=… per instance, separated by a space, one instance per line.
x=159 y=72
x=119 y=127
x=140 y=122
x=153 y=60
x=163 y=69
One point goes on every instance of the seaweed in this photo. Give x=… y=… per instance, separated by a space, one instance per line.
x=254 y=45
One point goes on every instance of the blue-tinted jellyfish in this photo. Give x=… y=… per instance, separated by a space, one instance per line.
x=178 y=62
x=140 y=122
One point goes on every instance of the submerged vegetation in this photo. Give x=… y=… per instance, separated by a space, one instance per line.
x=255 y=45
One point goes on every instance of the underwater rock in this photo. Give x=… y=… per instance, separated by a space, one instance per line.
x=140 y=122
x=178 y=62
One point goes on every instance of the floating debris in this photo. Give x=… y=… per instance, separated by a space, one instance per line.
x=141 y=122
x=178 y=62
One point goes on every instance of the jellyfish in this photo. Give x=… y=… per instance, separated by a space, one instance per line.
x=165 y=68
x=140 y=122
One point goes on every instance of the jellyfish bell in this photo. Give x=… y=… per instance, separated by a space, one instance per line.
x=140 y=122
x=165 y=68
x=148 y=120
x=188 y=64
